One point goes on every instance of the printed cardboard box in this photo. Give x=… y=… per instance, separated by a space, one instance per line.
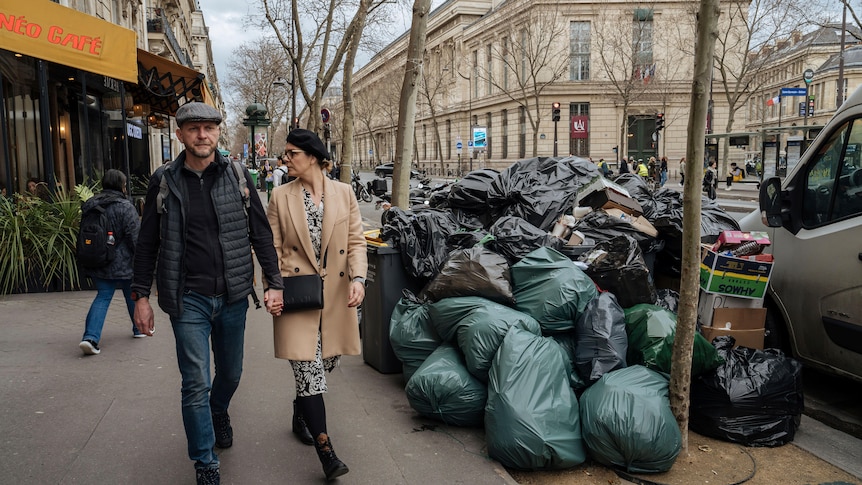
x=733 y=238
x=728 y=275
x=746 y=325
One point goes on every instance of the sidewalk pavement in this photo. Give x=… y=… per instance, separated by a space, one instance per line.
x=115 y=417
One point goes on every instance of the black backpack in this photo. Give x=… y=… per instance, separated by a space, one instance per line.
x=284 y=177
x=95 y=249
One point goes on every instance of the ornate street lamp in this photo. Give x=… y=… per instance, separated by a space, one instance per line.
x=256 y=116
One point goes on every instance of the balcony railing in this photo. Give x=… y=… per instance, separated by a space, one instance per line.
x=157 y=22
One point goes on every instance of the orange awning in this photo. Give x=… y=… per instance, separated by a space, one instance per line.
x=55 y=33
x=165 y=85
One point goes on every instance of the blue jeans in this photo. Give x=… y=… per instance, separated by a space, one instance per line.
x=206 y=318
x=99 y=308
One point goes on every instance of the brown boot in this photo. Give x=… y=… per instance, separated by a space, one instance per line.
x=332 y=466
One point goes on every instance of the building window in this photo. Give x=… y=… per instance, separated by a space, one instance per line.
x=579 y=51
x=504 y=130
x=424 y=142
x=448 y=139
x=642 y=45
x=489 y=69
x=522 y=132
x=578 y=146
x=505 y=65
x=473 y=78
x=523 y=55
x=488 y=136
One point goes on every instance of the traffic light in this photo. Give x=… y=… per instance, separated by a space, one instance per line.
x=659 y=122
x=555 y=112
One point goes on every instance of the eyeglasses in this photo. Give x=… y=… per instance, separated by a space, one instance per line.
x=292 y=153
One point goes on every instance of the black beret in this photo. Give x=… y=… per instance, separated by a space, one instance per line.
x=195 y=111
x=309 y=142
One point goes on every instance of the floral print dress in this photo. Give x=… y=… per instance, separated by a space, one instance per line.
x=309 y=374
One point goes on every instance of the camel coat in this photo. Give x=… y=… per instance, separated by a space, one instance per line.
x=343 y=242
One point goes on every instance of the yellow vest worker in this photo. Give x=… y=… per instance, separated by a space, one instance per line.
x=643 y=170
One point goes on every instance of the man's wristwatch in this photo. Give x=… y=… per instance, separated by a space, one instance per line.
x=137 y=296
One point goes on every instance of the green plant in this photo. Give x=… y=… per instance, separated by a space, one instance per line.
x=37 y=242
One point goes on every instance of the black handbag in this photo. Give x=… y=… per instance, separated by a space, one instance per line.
x=303 y=292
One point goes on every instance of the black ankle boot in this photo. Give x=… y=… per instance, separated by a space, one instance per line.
x=300 y=429
x=332 y=466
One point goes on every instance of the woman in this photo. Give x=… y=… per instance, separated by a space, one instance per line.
x=662 y=172
x=317 y=228
x=124 y=224
x=682 y=171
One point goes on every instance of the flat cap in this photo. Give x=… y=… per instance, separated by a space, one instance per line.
x=195 y=111
x=309 y=142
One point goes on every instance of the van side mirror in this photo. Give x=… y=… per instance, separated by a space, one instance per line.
x=770 y=202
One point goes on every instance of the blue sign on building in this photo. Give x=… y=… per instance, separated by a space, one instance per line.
x=794 y=92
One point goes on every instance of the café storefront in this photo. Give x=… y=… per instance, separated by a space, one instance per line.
x=78 y=98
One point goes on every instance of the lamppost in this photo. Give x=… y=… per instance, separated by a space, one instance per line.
x=294 y=122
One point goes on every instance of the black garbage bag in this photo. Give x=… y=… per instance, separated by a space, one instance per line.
x=549 y=287
x=714 y=220
x=466 y=239
x=668 y=299
x=443 y=389
x=599 y=226
x=667 y=218
x=532 y=419
x=568 y=342
x=471 y=192
x=514 y=238
x=622 y=271
x=540 y=190
x=475 y=271
x=411 y=333
x=627 y=422
x=601 y=342
x=420 y=236
x=469 y=220
x=651 y=330
x=755 y=398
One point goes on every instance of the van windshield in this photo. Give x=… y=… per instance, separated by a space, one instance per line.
x=834 y=181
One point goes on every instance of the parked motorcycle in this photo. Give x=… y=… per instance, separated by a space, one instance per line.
x=360 y=190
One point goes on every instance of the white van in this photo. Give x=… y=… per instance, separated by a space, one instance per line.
x=814 y=219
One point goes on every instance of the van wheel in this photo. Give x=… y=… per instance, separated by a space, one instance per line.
x=777 y=336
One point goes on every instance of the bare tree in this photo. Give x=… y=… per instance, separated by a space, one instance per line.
x=257 y=85
x=745 y=29
x=683 y=342
x=368 y=107
x=532 y=55
x=434 y=89
x=627 y=62
x=404 y=141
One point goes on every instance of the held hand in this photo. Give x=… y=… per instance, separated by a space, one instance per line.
x=274 y=300
x=356 y=294
x=144 y=319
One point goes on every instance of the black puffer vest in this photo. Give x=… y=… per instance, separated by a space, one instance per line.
x=233 y=236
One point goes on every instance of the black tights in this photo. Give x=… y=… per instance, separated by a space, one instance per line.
x=314 y=412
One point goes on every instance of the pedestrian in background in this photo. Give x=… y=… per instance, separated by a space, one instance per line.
x=662 y=172
x=199 y=232
x=682 y=171
x=124 y=224
x=279 y=174
x=624 y=166
x=317 y=229
x=710 y=180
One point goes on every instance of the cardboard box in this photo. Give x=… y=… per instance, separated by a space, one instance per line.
x=639 y=222
x=708 y=302
x=728 y=275
x=746 y=326
x=734 y=238
x=610 y=199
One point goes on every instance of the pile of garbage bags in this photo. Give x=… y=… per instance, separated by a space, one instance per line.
x=559 y=356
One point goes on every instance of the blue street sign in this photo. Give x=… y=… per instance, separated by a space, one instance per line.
x=459 y=145
x=794 y=92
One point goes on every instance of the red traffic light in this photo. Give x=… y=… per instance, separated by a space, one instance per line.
x=556 y=105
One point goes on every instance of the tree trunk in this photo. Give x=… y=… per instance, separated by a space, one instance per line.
x=407 y=104
x=349 y=108
x=680 y=374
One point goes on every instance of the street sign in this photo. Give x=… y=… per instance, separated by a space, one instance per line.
x=808 y=76
x=794 y=92
x=459 y=145
x=325 y=115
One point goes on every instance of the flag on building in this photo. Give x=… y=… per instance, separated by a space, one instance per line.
x=773 y=101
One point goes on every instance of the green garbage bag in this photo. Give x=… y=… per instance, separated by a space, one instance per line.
x=443 y=389
x=651 y=330
x=532 y=419
x=550 y=288
x=627 y=421
x=478 y=326
x=411 y=334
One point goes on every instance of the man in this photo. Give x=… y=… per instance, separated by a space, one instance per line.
x=279 y=172
x=198 y=231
